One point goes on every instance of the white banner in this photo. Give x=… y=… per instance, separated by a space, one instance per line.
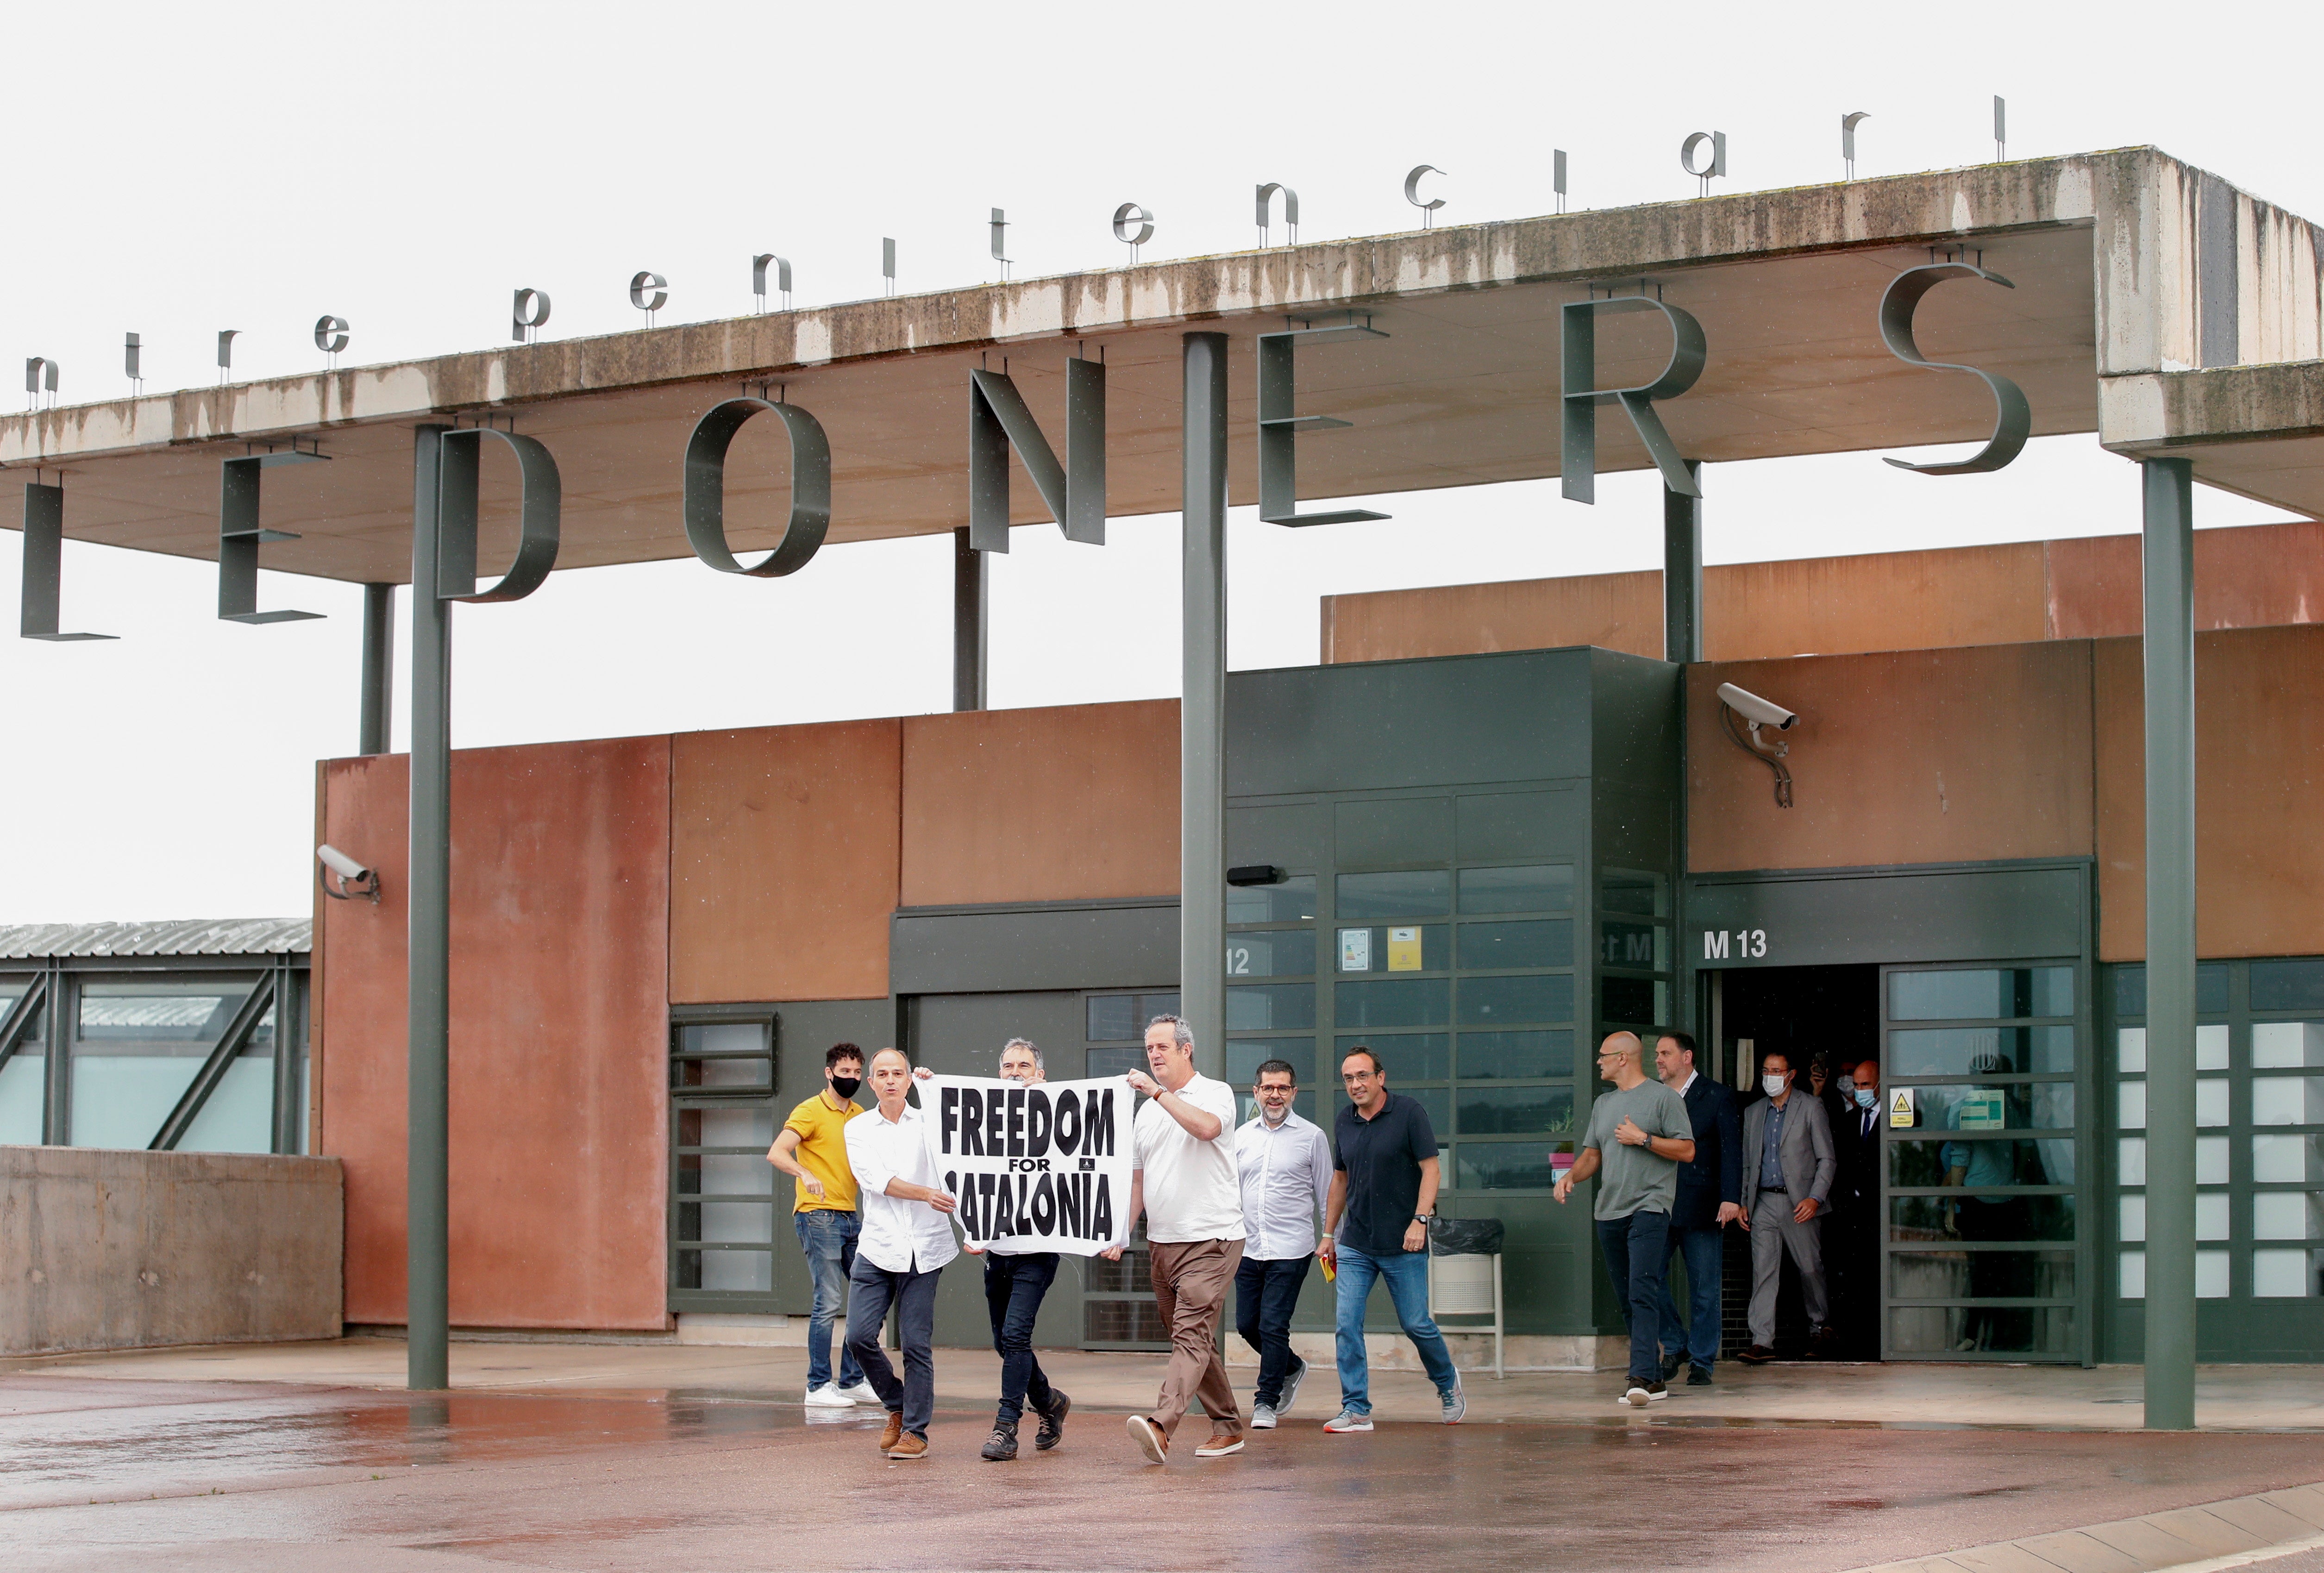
x=1039 y=1168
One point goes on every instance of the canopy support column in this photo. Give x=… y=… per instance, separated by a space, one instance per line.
x=375 y=727
x=1682 y=571
x=428 y=1356
x=1201 y=714
x=971 y=595
x=2169 y=562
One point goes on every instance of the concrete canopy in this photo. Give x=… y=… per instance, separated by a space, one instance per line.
x=2107 y=254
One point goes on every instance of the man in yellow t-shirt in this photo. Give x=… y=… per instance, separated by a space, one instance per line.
x=812 y=1149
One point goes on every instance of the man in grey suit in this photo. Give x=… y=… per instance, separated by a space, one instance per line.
x=1788 y=1164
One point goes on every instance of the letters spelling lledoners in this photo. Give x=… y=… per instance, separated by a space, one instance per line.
x=1039 y=1168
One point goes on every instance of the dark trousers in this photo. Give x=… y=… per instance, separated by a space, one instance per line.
x=1013 y=1288
x=1695 y=1334
x=1266 y=1295
x=1637 y=1252
x=914 y=1295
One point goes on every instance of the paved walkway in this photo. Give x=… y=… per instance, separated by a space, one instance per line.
x=642 y=1457
x=2052 y=1397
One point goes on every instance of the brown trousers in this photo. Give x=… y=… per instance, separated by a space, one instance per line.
x=1190 y=1290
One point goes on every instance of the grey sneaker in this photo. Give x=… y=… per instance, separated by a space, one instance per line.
x=1456 y=1403
x=1262 y=1417
x=1348 y=1420
x=1291 y=1381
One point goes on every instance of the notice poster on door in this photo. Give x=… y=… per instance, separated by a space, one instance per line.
x=1403 y=949
x=1039 y=1168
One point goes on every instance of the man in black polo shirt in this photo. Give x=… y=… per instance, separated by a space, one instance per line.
x=1384 y=1180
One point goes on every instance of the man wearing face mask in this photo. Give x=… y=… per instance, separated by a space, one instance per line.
x=1788 y=1164
x=1015 y=1283
x=812 y=1149
x=1852 y=1234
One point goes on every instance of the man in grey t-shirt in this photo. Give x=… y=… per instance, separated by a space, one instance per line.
x=1639 y=1134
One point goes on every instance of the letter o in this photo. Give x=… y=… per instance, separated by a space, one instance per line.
x=705 y=489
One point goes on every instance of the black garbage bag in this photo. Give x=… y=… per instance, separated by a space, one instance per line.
x=1464 y=1236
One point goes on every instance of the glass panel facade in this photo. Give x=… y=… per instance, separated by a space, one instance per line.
x=727 y=1207
x=1984 y=1204
x=2259 y=1171
x=137 y=1045
x=1287 y=952
x=1293 y=901
x=1542 y=887
x=24 y=1073
x=1381 y=898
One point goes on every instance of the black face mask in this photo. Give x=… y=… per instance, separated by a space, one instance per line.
x=846 y=1086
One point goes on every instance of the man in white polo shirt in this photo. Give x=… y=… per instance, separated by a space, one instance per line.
x=904 y=1242
x=1183 y=1146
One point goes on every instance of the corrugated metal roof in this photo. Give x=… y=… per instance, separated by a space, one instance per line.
x=192 y=936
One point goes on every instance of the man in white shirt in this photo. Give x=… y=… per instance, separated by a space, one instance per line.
x=903 y=1243
x=1286 y=1166
x=1183 y=1180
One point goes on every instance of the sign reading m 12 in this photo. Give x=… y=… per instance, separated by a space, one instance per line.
x=1039 y=1168
x=1747 y=945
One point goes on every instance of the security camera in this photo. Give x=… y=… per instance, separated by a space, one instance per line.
x=335 y=862
x=1752 y=708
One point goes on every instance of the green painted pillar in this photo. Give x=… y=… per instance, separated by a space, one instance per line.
x=1682 y=571
x=1202 y=709
x=2169 y=562
x=428 y=978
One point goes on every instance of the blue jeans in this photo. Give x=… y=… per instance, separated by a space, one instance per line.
x=1637 y=1255
x=1695 y=1334
x=1266 y=1295
x=828 y=1239
x=1406 y=1274
x=914 y=1296
x=1013 y=1288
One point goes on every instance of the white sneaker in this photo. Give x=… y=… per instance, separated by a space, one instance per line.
x=827 y=1396
x=860 y=1393
x=1262 y=1417
x=1348 y=1420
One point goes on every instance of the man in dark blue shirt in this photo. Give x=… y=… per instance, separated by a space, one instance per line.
x=1710 y=1198
x=1384 y=1180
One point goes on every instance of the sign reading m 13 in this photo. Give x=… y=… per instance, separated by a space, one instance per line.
x=1749 y=944
x=1039 y=1168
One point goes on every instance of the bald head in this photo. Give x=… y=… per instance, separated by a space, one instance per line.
x=1620 y=1059
x=892 y=1078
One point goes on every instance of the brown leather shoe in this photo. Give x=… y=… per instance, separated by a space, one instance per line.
x=1756 y=1355
x=894 y=1431
x=1149 y=1438
x=908 y=1449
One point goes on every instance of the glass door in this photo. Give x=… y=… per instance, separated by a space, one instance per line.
x=1981 y=1072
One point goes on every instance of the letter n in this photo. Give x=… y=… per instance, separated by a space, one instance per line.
x=1073 y=492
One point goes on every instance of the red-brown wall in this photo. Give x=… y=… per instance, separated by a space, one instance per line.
x=784 y=859
x=560 y=913
x=2258 y=576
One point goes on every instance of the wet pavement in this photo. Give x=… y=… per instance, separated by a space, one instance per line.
x=206 y=1475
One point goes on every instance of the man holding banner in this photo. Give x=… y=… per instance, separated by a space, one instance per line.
x=1016 y=1276
x=1186 y=1183
x=902 y=1249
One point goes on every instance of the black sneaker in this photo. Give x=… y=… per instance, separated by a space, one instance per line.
x=1671 y=1362
x=1699 y=1377
x=1052 y=1421
x=1001 y=1445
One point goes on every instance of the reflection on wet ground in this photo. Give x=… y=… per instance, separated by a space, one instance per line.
x=195 y=1475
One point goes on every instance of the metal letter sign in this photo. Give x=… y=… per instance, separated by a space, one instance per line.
x=527 y=313
x=330 y=334
x=540 y=512
x=1278 y=425
x=2012 y=417
x=1578 y=451
x=809 y=514
x=44 y=532
x=240 y=536
x=997 y=421
x=1290 y=209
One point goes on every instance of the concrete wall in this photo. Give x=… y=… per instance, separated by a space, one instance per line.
x=107 y=1250
x=1910 y=756
x=784 y=861
x=2259 y=767
x=2087 y=588
x=559 y=1048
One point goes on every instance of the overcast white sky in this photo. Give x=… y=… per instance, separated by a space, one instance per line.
x=179 y=169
